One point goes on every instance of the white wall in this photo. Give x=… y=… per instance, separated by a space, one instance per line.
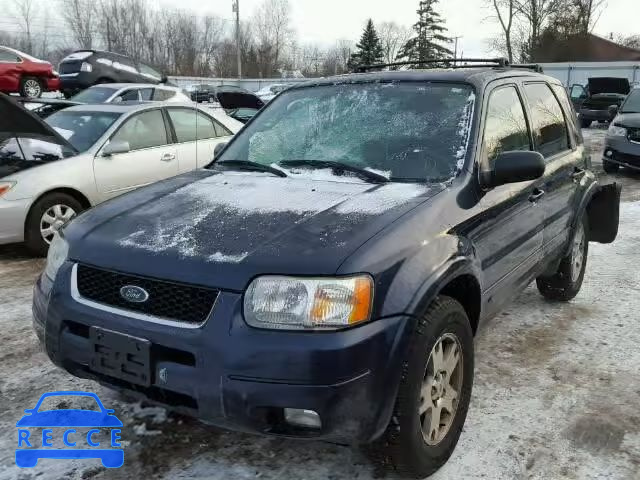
x=570 y=73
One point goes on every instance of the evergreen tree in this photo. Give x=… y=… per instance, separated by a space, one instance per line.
x=369 y=48
x=430 y=40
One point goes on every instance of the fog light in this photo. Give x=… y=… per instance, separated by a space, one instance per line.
x=608 y=153
x=302 y=418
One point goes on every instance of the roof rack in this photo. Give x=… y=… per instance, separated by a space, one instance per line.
x=499 y=62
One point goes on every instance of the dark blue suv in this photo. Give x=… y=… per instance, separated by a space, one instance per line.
x=324 y=276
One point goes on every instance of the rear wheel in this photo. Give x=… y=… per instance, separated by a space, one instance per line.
x=610 y=167
x=585 y=123
x=565 y=284
x=46 y=217
x=434 y=392
x=31 y=87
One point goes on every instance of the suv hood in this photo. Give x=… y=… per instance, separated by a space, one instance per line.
x=18 y=122
x=222 y=229
x=234 y=100
x=609 y=85
x=629 y=120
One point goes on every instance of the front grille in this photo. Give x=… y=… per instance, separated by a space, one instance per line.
x=173 y=301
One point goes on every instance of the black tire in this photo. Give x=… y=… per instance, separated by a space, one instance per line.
x=32 y=237
x=565 y=284
x=610 y=167
x=403 y=445
x=585 y=123
x=27 y=86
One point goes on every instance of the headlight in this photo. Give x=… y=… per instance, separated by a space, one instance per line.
x=5 y=187
x=308 y=303
x=615 y=131
x=58 y=251
x=86 y=67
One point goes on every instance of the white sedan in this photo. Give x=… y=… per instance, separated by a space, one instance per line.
x=51 y=170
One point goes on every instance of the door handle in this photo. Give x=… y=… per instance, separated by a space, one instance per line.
x=536 y=195
x=167 y=157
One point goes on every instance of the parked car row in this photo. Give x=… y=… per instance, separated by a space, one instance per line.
x=82 y=155
x=325 y=276
x=622 y=143
x=21 y=73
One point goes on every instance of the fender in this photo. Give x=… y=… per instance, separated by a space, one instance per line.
x=427 y=292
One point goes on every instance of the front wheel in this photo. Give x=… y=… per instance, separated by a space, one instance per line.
x=434 y=392
x=566 y=282
x=46 y=217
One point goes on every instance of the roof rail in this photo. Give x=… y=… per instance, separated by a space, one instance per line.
x=529 y=66
x=485 y=62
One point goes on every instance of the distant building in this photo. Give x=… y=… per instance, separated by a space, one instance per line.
x=584 y=48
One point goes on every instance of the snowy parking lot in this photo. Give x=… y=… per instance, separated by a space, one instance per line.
x=556 y=394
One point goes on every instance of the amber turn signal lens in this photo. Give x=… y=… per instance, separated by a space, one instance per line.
x=362 y=295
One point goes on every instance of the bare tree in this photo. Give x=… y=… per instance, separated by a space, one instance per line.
x=79 y=17
x=25 y=12
x=393 y=37
x=505 y=13
x=272 y=21
x=587 y=13
x=535 y=15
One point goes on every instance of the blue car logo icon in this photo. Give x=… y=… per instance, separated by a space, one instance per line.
x=69 y=419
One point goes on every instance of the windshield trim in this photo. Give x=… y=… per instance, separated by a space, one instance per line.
x=474 y=124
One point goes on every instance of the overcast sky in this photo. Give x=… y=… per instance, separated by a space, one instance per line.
x=325 y=21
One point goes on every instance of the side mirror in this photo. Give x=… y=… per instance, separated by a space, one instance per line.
x=116 y=147
x=514 y=167
x=218 y=148
x=613 y=111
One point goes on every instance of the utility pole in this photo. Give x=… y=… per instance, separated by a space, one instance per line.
x=236 y=9
x=455 y=49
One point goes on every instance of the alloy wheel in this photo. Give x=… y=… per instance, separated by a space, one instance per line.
x=577 y=253
x=441 y=389
x=32 y=88
x=53 y=219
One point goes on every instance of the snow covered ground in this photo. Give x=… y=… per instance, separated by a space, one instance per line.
x=556 y=395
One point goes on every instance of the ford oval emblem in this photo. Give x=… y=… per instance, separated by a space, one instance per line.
x=134 y=294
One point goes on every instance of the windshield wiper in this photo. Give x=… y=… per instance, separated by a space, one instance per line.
x=337 y=166
x=252 y=166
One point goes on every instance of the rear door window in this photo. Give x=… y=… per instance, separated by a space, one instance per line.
x=506 y=126
x=550 y=131
x=8 y=57
x=569 y=111
x=144 y=130
x=184 y=123
x=146 y=94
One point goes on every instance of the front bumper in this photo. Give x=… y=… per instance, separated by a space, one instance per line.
x=622 y=151
x=73 y=82
x=13 y=214
x=600 y=115
x=234 y=376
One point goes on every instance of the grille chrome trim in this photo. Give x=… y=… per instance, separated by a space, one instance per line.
x=75 y=294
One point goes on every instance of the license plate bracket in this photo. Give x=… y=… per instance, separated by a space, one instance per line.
x=120 y=356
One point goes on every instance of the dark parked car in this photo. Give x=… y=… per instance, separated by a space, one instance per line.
x=26 y=75
x=237 y=102
x=622 y=143
x=325 y=276
x=593 y=101
x=85 y=68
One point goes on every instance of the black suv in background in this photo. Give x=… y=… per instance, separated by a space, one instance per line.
x=595 y=100
x=324 y=277
x=85 y=68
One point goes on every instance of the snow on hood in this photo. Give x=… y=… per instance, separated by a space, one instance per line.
x=229 y=205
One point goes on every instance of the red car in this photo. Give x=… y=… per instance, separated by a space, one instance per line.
x=26 y=75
